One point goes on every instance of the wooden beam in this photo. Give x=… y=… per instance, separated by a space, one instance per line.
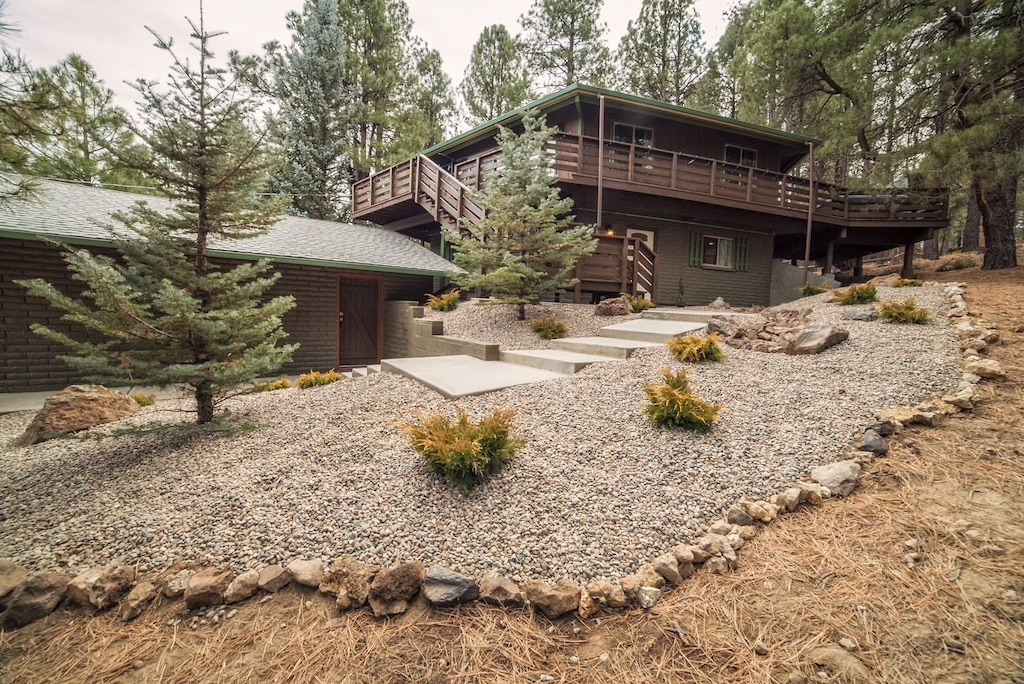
x=811 y=201
x=600 y=163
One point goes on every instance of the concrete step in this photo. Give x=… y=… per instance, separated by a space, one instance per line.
x=670 y=314
x=347 y=374
x=373 y=368
x=556 y=360
x=360 y=372
x=602 y=346
x=650 y=330
x=462 y=376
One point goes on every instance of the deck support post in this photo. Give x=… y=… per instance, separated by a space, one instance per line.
x=908 y=261
x=600 y=164
x=811 y=200
x=858 y=267
x=830 y=254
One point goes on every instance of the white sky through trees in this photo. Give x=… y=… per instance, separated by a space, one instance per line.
x=111 y=34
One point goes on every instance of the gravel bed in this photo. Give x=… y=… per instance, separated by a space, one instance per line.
x=499 y=322
x=328 y=472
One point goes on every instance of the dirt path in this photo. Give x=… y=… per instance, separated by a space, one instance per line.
x=955 y=615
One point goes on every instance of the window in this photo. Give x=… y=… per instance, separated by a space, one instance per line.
x=633 y=135
x=712 y=251
x=740 y=155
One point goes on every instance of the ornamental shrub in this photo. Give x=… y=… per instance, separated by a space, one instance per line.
x=694 y=349
x=856 y=294
x=638 y=303
x=283 y=383
x=550 y=328
x=904 y=282
x=143 y=399
x=673 y=404
x=463 y=451
x=318 y=379
x=448 y=302
x=904 y=312
x=811 y=290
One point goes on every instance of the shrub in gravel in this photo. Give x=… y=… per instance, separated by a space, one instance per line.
x=283 y=383
x=904 y=312
x=143 y=399
x=639 y=304
x=811 y=290
x=318 y=379
x=856 y=294
x=673 y=404
x=904 y=282
x=693 y=349
x=550 y=328
x=463 y=451
x=448 y=302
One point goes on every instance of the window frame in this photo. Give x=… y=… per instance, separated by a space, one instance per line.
x=718 y=251
x=635 y=128
x=742 y=150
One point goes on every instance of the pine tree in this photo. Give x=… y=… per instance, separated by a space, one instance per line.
x=168 y=314
x=526 y=246
x=661 y=54
x=566 y=42
x=428 y=102
x=310 y=84
x=496 y=79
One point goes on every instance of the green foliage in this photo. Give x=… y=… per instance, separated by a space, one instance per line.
x=447 y=302
x=811 y=290
x=904 y=312
x=496 y=79
x=280 y=384
x=164 y=314
x=143 y=399
x=550 y=328
x=429 y=101
x=661 y=54
x=855 y=294
x=680 y=294
x=673 y=404
x=526 y=246
x=903 y=282
x=639 y=304
x=463 y=451
x=318 y=379
x=693 y=348
x=566 y=40
x=958 y=263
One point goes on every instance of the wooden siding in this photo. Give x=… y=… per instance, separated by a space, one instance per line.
x=29 y=362
x=702 y=285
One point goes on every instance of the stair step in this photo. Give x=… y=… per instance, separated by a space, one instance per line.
x=650 y=330
x=360 y=372
x=347 y=374
x=668 y=314
x=556 y=360
x=373 y=368
x=602 y=346
x=463 y=376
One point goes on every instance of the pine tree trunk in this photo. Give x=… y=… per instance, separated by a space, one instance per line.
x=522 y=312
x=931 y=248
x=998 y=206
x=204 y=402
x=972 y=229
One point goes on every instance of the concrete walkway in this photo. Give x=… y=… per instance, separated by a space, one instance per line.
x=463 y=376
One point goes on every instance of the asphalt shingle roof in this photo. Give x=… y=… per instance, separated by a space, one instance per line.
x=70 y=212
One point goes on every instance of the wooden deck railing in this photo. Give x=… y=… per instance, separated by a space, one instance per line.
x=619 y=264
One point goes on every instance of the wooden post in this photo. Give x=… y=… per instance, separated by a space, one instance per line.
x=830 y=254
x=600 y=163
x=858 y=267
x=624 y=278
x=783 y=190
x=750 y=182
x=392 y=193
x=810 y=210
x=675 y=170
x=908 y=261
x=414 y=173
x=578 y=291
x=437 y=199
x=632 y=162
x=714 y=172
x=476 y=178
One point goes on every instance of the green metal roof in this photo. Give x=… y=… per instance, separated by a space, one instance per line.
x=552 y=101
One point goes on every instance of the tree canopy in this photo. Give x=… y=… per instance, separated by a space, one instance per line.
x=496 y=79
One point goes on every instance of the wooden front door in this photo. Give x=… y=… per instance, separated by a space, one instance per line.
x=360 y=321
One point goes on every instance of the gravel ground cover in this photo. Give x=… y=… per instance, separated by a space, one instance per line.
x=499 y=320
x=328 y=472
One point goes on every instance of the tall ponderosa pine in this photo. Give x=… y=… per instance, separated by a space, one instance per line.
x=526 y=247
x=428 y=102
x=309 y=83
x=566 y=41
x=168 y=314
x=661 y=56
x=496 y=79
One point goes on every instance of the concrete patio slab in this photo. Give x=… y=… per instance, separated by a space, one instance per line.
x=602 y=346
x=463 y=376
x=650 y=330
x=556 y=360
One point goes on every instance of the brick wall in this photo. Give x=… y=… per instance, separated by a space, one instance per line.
x=29 y=362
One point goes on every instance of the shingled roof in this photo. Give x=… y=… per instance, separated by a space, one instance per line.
x=80 y=214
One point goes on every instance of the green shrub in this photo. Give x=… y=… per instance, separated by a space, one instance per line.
x=811 y=290
x=448 y=302
x=464 y=452
x=904 y=312
x=856 y=294
x=680 y=294
x=673 y=404
x=318 y=379
x=550 y=328
x=283 y=383
x=693 y=349
x=639 y=304
x=903 y=282
x=958 y=263
x=143 y=399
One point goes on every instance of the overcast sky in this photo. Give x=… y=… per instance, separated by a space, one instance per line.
x=111 y=34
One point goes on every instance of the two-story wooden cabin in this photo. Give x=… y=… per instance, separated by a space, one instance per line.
x=680 y=198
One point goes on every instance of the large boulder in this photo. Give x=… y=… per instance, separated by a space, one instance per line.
x=840 y=477
x=815 y=338
x=77 y=408
x=34 y=599
x=11 y=575
x=101 y=587
x=553 y=601
x=445 y=588
x=619 y=306
x=392 y=589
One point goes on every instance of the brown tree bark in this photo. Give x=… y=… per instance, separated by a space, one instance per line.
x=998 y=205
x=972 y=228
x=931 y=248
